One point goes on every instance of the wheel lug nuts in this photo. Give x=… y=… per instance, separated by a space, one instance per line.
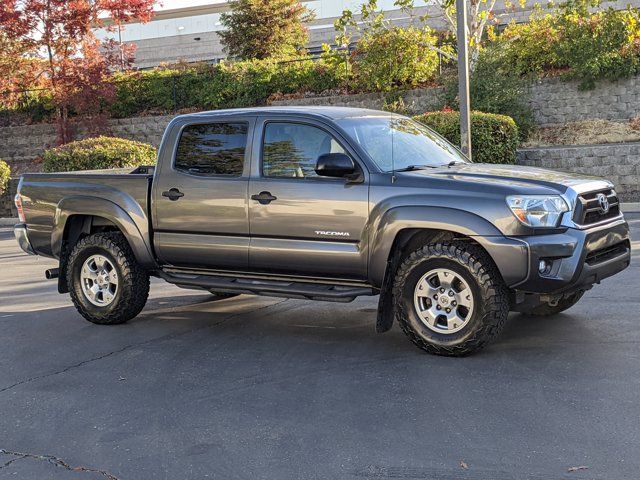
x=435 y=296
x=454 y=303
x=438 y=307
x=451 y=293
x=448 y=310
x=442 y=290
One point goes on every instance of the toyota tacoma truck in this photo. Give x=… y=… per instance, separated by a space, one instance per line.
x=328 y=204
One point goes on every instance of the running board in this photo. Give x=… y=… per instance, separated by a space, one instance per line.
x=272 y=288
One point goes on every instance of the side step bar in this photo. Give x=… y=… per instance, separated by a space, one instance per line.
x=268 y=287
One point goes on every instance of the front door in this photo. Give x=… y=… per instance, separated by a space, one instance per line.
x=200 y=197
x=301 y=223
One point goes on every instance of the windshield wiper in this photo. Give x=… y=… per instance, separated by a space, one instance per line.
x=411 y=168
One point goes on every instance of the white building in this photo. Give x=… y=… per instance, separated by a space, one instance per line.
x=186 y=30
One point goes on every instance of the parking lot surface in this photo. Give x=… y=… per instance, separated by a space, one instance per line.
x=268 y=388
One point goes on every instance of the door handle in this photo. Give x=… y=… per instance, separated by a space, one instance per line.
x=264 y=198
x=173 y=194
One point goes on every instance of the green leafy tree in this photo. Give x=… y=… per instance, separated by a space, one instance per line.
x=258 y=29
x=480 y=15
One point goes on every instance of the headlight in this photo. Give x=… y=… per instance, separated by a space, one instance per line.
x=538 y=210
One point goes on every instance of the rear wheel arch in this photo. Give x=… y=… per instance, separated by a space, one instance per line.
x=90 y=215
x=76 y=227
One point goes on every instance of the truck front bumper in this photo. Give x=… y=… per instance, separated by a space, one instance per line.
x=20 y=231
x=576 y=259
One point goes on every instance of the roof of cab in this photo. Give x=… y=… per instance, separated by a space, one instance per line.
x=329 y=112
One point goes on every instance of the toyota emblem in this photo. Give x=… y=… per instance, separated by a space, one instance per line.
x=603 y=202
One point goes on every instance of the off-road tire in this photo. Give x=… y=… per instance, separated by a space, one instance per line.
x=133 y=288
x=491 y=301
x=221 y=296
x=546 y=310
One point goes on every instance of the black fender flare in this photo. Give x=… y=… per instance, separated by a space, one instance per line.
x=100 y=207
x=510 y=255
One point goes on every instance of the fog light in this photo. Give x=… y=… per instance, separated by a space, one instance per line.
x=545 y=267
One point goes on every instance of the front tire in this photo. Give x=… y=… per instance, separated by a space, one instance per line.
x=106 y=284
x=450 y=298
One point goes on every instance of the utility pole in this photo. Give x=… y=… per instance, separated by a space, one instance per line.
x=463 y=77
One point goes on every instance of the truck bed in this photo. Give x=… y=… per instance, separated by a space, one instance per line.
x=43 y=193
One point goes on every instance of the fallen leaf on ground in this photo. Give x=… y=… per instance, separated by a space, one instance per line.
x=463 y=465
x=575 y=469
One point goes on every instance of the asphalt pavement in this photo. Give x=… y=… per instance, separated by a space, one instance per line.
x=268 y=388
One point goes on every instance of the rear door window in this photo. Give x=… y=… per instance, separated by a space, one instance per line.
x=212 y=149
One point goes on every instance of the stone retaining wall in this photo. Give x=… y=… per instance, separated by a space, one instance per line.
x=619 y=163
x=553 y=100
x=7 y=207
x=21 y=145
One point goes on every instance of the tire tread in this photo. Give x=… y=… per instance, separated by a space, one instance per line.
x=134 y=283
x=495 y=294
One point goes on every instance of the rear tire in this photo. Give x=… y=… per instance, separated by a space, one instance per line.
x=106 y=283
x=450 y=298
x=546 y=310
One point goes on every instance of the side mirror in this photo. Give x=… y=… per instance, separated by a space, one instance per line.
x=335 y=165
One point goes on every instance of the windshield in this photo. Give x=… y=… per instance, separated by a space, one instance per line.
x=396 y=143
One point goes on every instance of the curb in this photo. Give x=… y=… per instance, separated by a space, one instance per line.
x=8 y=222
x=633 y=207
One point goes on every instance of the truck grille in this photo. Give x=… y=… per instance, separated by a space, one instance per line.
x=589 y=208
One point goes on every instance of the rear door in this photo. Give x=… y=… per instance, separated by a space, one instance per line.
x=301 y=223
x=200 y=214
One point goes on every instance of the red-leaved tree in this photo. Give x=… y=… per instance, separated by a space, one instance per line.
x=76 y=65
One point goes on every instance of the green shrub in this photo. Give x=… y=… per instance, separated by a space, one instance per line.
x=532 y=46
x=5 y=174
x=387 y=59
x=602 y=45
x=494 y=138
x=98 y=153
x=586 y=46
x=225 y=85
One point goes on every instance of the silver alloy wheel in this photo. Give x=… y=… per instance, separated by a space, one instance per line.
x=99 y=280
x=443 y=301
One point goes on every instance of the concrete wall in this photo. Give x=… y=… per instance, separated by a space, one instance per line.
x=619 y=163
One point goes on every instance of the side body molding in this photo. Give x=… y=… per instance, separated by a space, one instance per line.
x=132 y=222
x=509 y=254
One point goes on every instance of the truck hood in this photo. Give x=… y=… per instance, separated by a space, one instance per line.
x=517 y=177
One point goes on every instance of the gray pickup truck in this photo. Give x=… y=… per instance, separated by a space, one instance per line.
x=328 y=204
